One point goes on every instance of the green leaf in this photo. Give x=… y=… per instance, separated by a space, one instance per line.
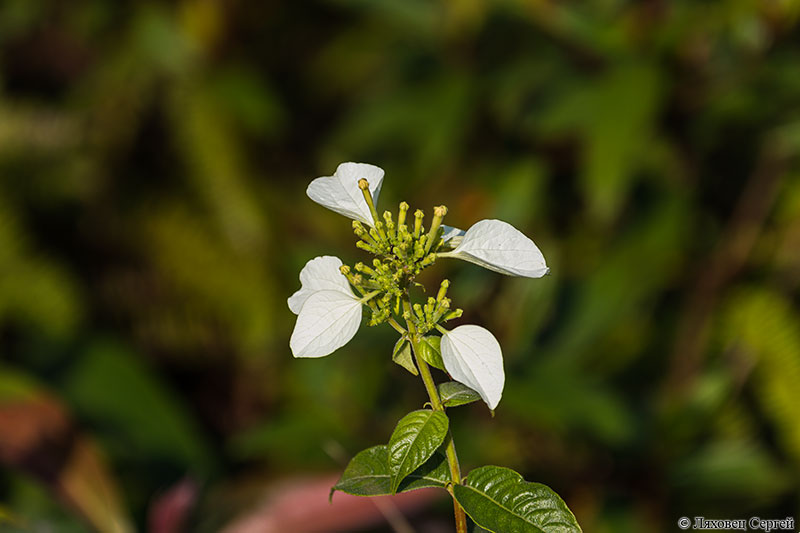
x=499 y=500
x=402 y=355
x=368 y=474
x=454 y=394
x=413 y=442
x=430 y=351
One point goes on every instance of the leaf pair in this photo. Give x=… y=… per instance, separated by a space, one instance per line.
x=497 y=499
x=406 y=463
x=470 y=354
x=368 y=474
x=452 y=393
x=429 y=351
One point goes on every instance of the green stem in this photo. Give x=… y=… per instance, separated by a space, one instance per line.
x=436 y=402
x=397 y=327
x=367 y=297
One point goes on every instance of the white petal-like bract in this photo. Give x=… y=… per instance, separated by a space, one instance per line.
x=319 y=274
x=327 y=321
x=340 y=192
x=473 y=357
x=501 y=247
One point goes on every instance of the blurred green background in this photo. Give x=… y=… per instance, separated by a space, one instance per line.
x=153 y=221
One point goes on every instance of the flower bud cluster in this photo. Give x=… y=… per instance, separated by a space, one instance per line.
x=433 y=312
x=402 y=249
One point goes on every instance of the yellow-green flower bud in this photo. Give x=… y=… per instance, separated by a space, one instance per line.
x=429 y=260
x=442 y=289
x=418 y=216
x=401 y=215
x=390 y=229
x=367 y=247
x=453 y=314
x=438 y=214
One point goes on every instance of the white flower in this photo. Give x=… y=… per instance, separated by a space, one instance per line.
x=473 y=357
x=329 y=314
x=498 y=246
x=340 y=192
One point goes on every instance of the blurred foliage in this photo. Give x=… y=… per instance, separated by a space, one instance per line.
x=153 y=161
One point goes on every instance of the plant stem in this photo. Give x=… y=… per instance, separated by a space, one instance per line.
x=397 y=327
x=436 y=402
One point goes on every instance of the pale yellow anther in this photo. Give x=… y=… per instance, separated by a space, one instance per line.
x=363 y=184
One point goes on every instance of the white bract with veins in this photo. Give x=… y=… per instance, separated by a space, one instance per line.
x=321 y=273
x=329 y=313
x=501 y=247
x=473 y=357
x=340 y=192
x=328 y=320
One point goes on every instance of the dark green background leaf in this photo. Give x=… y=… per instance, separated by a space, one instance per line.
x=156 y=424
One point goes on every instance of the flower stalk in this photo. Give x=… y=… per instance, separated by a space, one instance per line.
x=436 y=403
